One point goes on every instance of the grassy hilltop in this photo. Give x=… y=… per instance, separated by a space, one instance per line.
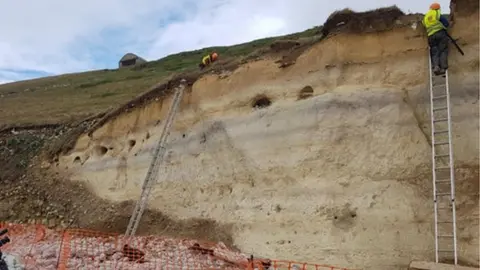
x=70 y=97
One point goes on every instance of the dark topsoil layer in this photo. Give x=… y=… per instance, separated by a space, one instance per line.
x=348 y=21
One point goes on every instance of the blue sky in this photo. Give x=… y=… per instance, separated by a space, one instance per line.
x=41 y=38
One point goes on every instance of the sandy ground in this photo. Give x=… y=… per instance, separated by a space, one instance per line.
x=343 y=177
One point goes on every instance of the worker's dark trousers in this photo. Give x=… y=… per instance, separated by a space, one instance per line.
x=438 y=43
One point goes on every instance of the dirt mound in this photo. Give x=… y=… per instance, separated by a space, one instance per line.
x=17 y=149
x=349 y=21
x=36 y=195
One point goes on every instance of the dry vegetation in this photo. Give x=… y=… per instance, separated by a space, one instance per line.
x=346 y=20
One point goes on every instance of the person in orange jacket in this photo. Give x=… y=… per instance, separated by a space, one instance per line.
x=208 y=59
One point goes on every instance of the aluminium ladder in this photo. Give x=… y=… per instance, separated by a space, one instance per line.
x=442 y=169
x=157 y=160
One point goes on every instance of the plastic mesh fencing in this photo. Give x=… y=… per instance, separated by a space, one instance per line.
x=31 y=247
x=83 y=249
x=35 y=247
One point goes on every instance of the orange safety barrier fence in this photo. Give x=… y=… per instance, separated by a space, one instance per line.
x=86 y=249
x=37 y=247
x=32 y=246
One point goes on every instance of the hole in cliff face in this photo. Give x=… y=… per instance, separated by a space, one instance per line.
x=100 y=150
x=77 y=160
x=305 y=93
x=261 y=101
x=131 y=143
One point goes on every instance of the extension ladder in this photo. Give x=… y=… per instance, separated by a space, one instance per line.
x=157 y=160
x=442 y=168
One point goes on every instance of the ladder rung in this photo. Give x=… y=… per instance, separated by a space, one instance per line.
x=443 y=168
x=441 y=131
x=444 y=221
x=443 y=194
x=439 y=85
x=439 y=109
x=439 y=156
x=443 y=181
x=439 y=97
x=437 y=80
x=441 y=143
x=444 y=250
x=446 y=236
x=441 y=120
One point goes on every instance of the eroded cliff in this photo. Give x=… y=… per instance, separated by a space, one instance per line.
x=336 y=167
x=321 y=155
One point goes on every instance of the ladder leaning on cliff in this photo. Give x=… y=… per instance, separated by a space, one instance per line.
x=442 y=168
x=157 y=160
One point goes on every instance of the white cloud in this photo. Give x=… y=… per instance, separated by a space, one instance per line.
x=56 y=36
x=5 y=81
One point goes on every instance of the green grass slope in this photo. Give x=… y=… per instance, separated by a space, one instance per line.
x=71 y=97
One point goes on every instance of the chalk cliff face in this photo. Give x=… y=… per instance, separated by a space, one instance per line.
x=342 y=176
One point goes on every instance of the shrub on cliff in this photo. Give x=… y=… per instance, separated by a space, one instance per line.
x=347 y=20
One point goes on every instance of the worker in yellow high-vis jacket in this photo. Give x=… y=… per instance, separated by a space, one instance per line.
x=208 y=59
x=436 y=25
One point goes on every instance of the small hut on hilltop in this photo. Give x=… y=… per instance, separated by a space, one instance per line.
x=130 y=59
